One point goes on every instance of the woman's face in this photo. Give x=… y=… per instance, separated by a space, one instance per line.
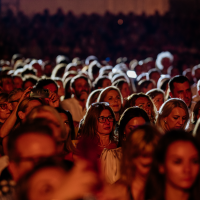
x=113 y=98
x=66 y=122
x=145 y=104
x=181 y=165
x=176 y=119
x=132 y=124
x=125 y=91
x=158 y=101
x=105 y=123
x=149 y=87
x=44 y=183
x=5 y=111
x=143 y=163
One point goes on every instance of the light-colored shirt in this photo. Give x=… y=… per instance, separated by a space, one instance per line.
x=74 y=108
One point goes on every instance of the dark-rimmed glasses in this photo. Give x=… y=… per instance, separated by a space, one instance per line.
x=4 y=106
x=103 y=119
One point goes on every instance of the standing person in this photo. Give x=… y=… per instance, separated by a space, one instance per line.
x=175 y=169
x=80 y=87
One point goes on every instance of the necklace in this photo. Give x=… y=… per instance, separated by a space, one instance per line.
x=105 y=145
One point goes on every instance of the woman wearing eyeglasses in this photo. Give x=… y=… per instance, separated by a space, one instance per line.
x=98 y=125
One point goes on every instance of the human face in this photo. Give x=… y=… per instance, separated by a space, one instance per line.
x=149 y=87
x=181 y=165
x=106 y=83
x=17 y=82
x=158 y=101
x=5 y=111
x=30 y=148
x=81 y=89
x=132 y=124
x=8 y=85
x=28 y=84
x=176 y=119
x=114 y=99
x=145 y=104
x=45 y=182
x=182 y=91
x=155 y=76
x=15 y=99
x=52 y=87
x=143 y=164
x=106 y=127
x=125 y=91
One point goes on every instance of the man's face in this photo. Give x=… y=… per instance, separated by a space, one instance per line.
x=52 y=87
x=81 y=89
x=182 y=91
x=31 y=148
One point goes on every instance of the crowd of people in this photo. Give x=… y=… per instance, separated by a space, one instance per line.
x=89 y=130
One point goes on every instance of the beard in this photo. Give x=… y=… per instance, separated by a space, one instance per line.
x=82 y=95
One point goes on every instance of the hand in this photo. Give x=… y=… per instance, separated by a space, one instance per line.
x=25 y=94
x=53 y=99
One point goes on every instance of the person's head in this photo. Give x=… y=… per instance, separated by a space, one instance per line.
x=47 y=83
x=142 y=101
x=69 y=126
x=15 y=96
x=196 y=72
x=58 y=70
x=66 y=85
x=49 y=174
x=173 y=114
x=180 y=88
x=80 y=87
x=145 y=85
x=29 y=81
x=137 y=153
x=175 y=166
x=99 y=120
x=26 y=106
x=102 y=82
x=188 y=73
x=93 y=70
x=173 y=71
x=29 y=144
x=18 y=82
x=48 y=67
x=164 y=61
x=123 y=86
x=153 y=74
x=57 y=125
x=113 y=96
x=5 y=107
x=6 y=82
x=130 y=120
x=157 y=96
x=198 y=87
x=38 y=67
x=92 y=98
x=196 y=113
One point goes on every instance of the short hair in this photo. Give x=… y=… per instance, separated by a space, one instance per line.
x=154 y=92
x=73 y=80
x=31 y=78
x=28 y=127
x=127 y=115
x=167 y=108
x=99 y=81
x=151 y=71
x=177 y=79
x=46 y=81
x=15 y=91
x=144 y=84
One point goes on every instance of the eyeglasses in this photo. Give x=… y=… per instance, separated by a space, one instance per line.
x=4 y=106
x=103 y=119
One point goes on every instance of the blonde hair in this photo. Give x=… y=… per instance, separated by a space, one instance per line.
x=167 y=108
x=143 y=139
